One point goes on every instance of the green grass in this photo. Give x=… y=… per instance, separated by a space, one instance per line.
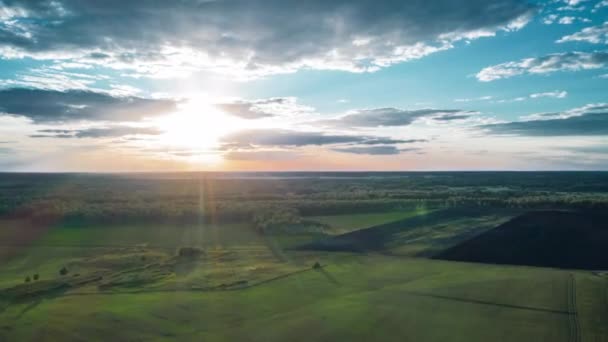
x=355 y=298
x=341 y=224
x=248 y=287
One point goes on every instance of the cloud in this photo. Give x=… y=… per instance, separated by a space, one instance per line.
x=264 y=108
x=387 y=117
x=291 y=138
x=570 y=61
x=388 y=141
x=554 y=94
x=481 y=98
x=262 y=155
x=52 y=106
x=594 y=34
x=601 y=4
x=590 y=120
x=568 y=20
x=372 y=150
x=255 y=37
x=105 y=132
x=593 y=149
x=284 y=137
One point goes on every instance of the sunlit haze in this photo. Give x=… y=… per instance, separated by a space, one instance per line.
x=348 y=85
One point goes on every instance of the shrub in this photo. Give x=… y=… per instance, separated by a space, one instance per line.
x=189 y=252
x=27 y=279
x=36 y=277
x=316 y=266
x=63 y=271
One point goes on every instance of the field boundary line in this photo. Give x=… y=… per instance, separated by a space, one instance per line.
x=575 y=325
x=484 y=302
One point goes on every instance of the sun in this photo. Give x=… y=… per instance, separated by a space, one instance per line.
x=194 y=132
x=197 y=125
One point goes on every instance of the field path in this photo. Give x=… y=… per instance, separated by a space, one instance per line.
x=575 y=327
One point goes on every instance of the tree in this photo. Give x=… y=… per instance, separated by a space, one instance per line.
x=27 y=279
x=36 y=277
x=63 y=271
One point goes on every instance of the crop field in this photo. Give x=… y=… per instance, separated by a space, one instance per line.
x=302 y=272
x=421 y=299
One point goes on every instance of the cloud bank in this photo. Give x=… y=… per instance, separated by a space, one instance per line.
x=567 y=61
x=255 y=37
x=591 y=120
x=52 y=106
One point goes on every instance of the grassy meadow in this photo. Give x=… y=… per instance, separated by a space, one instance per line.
x=286 y=274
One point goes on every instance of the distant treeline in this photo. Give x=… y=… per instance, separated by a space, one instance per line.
x=119 y=198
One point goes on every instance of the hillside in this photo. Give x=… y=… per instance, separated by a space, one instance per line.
x=563 y=239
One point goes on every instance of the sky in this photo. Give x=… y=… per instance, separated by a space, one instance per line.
x=280 y=85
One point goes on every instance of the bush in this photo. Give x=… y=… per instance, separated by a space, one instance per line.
x=189 y=252
x=63 y=271
x=27 y=279
x=36 y=277
x=316 y=266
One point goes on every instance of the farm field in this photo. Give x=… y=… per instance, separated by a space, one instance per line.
x=306 y=271
x=421 y=299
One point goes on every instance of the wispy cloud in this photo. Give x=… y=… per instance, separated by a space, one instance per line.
x=264 y=108
x=253 y=37
x=284 y=137
x=567 y=61
x=372 y=150
x=392 y=117
x=96 y=132
x=590 y=120
x=52 y=106
x=594 y=34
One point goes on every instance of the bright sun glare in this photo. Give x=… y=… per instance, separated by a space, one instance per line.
x=197 y=127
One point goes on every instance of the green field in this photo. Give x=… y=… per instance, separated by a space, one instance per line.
x=353 y=298
x=247 y=287
x=302 y=259
x=341 y=224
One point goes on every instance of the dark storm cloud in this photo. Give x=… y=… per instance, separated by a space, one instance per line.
x=386 y=117
x=257 y=33
x=282 y=137
x=588 y=123
x=47 y=106
x=107 y=132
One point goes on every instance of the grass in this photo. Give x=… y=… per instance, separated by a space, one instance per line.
x=358 y=298
x=341 y=224
x=249 y=287
x=423 y=234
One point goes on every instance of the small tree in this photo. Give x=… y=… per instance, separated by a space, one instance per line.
x=316 y=266
x=63 y=271
x=27 y=279
x=36 y=277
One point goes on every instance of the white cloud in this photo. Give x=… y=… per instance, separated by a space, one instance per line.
x=601 y=4
x=481 y=98
x=554 y=94
x=246 y=38
x=568 y=61
x=594 y=34
x=264 y=108
x=567 y=20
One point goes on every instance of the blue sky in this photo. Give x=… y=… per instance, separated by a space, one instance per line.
x=286 y=85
